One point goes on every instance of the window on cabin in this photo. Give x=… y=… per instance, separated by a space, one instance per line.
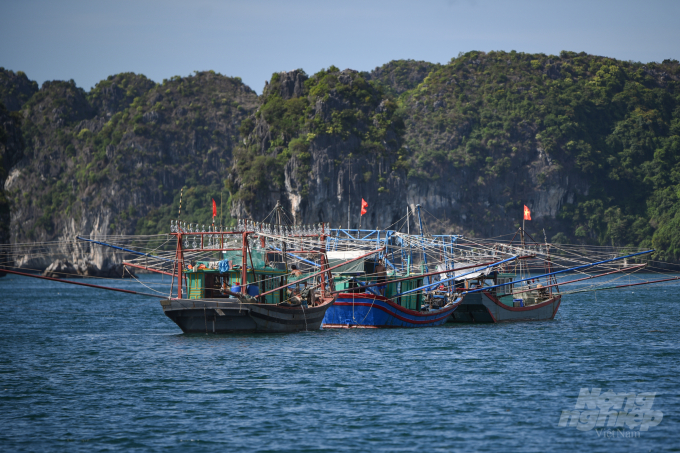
x=503 y=290
x=500 y=290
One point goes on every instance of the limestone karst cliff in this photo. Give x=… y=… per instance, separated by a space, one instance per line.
x=590 y=144
x=102 y=163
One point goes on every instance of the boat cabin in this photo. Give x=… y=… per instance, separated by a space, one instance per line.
x=354 y=276
x=204 y=281
x=511 y=294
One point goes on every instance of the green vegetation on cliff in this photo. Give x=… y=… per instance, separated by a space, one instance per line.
x=613 y=124
x=297 y=110
x=123 y=151
x=15 y=89
x=590 y=143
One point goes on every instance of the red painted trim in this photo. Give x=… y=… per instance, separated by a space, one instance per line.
x=493 y=299
x=352 y=326
x=401 y=318
x=492 y=316
x=559 y=301
x=384 y=299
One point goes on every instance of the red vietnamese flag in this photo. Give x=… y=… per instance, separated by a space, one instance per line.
x=364 y=205
x=214 y=209
x=527 y=213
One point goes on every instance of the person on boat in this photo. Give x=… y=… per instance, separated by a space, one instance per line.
x=542 y=292
x=296 y=273
x=223 y=289
x=381 y=274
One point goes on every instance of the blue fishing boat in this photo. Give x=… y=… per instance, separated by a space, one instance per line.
x=390 y=291
x=367 y=299
x=397 y=289
x=363 y=310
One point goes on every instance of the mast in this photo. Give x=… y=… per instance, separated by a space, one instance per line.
x=179 y=255
x=322 y=239
x=244 y=261
x=281 y=231
x=349 y=196
x=408 y=231
x=179 y=258
x=549 y=264
x=422 y=241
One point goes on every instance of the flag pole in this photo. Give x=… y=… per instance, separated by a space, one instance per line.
x=349 y=194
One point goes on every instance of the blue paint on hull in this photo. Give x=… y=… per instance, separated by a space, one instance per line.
x=367 y=310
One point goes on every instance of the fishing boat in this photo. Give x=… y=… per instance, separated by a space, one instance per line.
x=367 y=300
x=397 y=289
x=271 y=277
x=238 y=280
x=503 y=304
x=386 y=291
x=492 y=297
x=247 y=289
x=514 y=292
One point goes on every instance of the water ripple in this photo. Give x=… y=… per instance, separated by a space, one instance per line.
x=84 y=370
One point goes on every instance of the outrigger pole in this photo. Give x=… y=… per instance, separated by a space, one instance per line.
x=486 y=288
x=124 y=249
x=636 y=267
x=125 y=263
x=432 y=273
x=84 y=284
x=429 y=285
x=625 y=286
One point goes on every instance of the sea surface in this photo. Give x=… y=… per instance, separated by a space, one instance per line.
x=89 y=370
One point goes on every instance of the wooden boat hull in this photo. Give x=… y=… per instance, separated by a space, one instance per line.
x=352 y=310
x=484 y=307
x=221 y=316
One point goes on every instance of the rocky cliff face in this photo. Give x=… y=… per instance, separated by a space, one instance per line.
x=97 y=164
x=587 y=143
x=337 y=170
x=11 y=151
x=591 y=145
x=345 y=141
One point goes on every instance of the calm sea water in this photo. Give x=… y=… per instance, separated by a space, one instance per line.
x=89 y=370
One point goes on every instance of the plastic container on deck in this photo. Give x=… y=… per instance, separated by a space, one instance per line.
x=253 y=290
